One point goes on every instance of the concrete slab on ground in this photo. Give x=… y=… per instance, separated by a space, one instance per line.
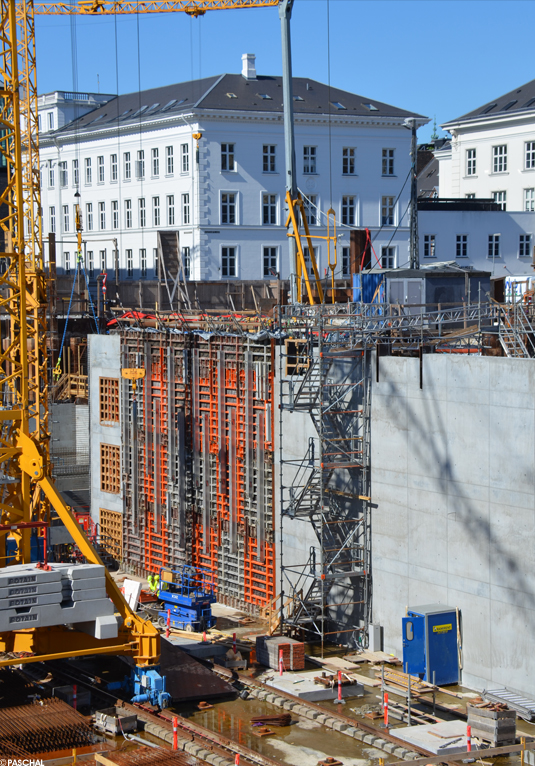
x=302 y=685
x=435 y=737
x=199 y=649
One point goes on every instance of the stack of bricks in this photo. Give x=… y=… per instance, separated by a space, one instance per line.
x=268 y=652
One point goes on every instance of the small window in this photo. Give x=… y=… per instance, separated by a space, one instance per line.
x=231 y=95
x=110 y=468
x=115 y=214
x=129 y=263
x=488 y=109
x=348 y=211
x=170 y=209
x=228 y=261
x=268 y=158
x=52 y=214
x=388 y=257
x=529 y=200
x=311 y=210
x=184 y=156
x=387 y=211
x=127 y=166
x=113 y=167
x=338 y=105
x=530 y=155
x=63 y=174
x=88 y=172
x=51 y=120
x=186 y=261
x=494 y=246
x=100 y=167
x=228 y=208
x=500 y=197
x=348 y=161
x=75 y=173
x=109 y=400
x=298 y=98
x=345 y=261
x=499 y=155
x=388 y=162
x=102 y=215
x=140 y=164
x=169 y=160
x=227 y=157
x=128 y=213
x=67 y=262
x=143 y=261
x=409 y=631
x=509 y=105
x=155 y=211
x=65 y=209
x=461 y=250
x=155 y=158
x=265 y=96
x=309 y=160
x=269 y=209
x=185 y=210
x=91 y=262
x=371 y=107
x=470 y=162
x=429 y=246
x=270 y=263
x=524 y=246
x=103 y=260
x=89 y=216
x=142 y=213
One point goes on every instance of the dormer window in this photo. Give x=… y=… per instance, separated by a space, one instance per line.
x=371 y=107
x=509 y=105
x=338 y=105
x=298 y=98
x=264 y=96
x=231 y=95
x=488 y=109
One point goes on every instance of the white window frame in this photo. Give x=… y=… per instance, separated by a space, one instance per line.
x=102 y=216
x=461 y=246
x=346 y=262
x=471 y=162
x=388 y=218
x=524 y=246
x=115 y=214
x=63 y=174
x=169 y=161
x=89 y=216
x=50 y=175
x=228 y=208
x=114 y=171
x=128 y=213
x=388 y=259
x=349 y=210
x=529 y=155
x=430 y=245
x=127 y=166
x=170 y=204
x=67 y=262
x=90 y=263
x=348 y=160
x=310 y=160
x=142 y=212
x=156 y=211
x=103 y=260
x=129 y=255
x=269 y=209
x=140 y=164
x=100 y=169
x=387 y=162
x=50 y=116
x=88 y=172
x=224 y=255
x=143 y=261
x=186 y=261
x=529 y=200
x=155 y=162
x=494 y=245
x=312 y=210
x=52 y=218
x=184 y=158
x=228 y=157
x=500 y=197
x=75 y=173
x=269 y=158
x=499 y=158
x=66 y=218
x=267 y=265
x=186 y=213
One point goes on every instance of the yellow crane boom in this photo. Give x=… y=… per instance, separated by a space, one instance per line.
x=27 y=490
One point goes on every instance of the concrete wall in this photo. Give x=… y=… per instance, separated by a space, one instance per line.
x=104 y=361
x=453 y=484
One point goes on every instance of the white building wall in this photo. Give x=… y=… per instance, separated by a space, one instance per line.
x=205 y=234
x=513 y=132
x=477 y=226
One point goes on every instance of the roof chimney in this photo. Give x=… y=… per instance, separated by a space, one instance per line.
x=248 y=69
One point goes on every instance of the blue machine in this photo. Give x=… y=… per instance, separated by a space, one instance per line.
x=430 y=644
x=144 y=685
x=188 y=593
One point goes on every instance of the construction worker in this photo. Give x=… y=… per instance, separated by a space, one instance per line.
x=150 y=579
x=156 y=583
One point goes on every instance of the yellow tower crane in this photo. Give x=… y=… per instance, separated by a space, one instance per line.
x=27 y=489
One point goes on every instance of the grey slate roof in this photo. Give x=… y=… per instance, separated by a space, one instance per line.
x=261 y=95
x=517 y=100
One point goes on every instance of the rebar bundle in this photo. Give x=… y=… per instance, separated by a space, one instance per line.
x=41 y=727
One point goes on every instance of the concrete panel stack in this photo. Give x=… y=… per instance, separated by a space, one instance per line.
x=63 y=594
x=268 y=652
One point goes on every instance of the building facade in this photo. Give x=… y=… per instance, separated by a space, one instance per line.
x=203 y=164
x=492 y=152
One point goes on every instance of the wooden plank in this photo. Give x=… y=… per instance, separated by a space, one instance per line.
x=364 y=680
x=476 y=754
x=99 y=758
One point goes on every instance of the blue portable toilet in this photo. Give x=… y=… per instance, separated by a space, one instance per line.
x=430 y=643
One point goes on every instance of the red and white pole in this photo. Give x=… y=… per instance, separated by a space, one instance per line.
x=175 y=733
x=74 y=695
x=234 y=643
x=168 y=623
x=385 y=709
x=237 y=759
x=469 y=739
x=339 y=686
x=204 y=636
x=281 y=662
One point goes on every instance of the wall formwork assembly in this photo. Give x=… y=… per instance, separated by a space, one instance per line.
x=198 y=459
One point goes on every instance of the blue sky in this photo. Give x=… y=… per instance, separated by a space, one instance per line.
x=436 y=57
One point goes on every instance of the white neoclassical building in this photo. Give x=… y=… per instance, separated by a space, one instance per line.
x=202 y=162
x=492 y=152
